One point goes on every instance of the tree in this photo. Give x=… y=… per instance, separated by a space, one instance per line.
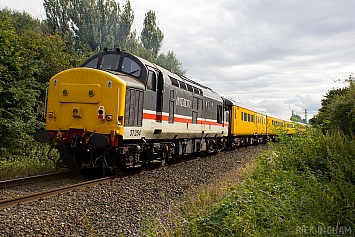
x=170 y=62
x=151 y=36
x=29 y=58
x=124 y=34
x=338 y=109
x=58 y=18
x=18 y=90
x=98 y=24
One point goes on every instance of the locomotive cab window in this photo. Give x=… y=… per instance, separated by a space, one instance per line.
x=130 y=67
x=92 y=63
x=152 y=81
x=110 y=62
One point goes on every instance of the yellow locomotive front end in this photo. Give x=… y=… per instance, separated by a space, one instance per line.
x=88 y=100
x=84 y=115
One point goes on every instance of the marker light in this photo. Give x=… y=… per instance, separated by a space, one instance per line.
x=101 y=113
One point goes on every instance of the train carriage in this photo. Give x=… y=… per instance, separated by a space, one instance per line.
x=290 y=127
x=247 y=126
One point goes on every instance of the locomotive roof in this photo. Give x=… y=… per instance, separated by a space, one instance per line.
x=142 y=75
x=129 y=80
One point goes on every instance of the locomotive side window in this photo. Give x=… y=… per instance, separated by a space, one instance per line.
x=174 y=82
x=110 y=62
x=131 y=67
x=182 y=85
x=152 y=81
x=189 y=88
x=92 y=63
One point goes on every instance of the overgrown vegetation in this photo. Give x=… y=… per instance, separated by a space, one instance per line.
x=32 y=51
x=302 y=185
x=338 y=109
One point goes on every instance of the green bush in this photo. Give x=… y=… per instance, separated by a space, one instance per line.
x=30 y=160
x=303 y=184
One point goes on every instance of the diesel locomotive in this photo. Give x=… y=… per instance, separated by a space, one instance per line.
x=118 y=110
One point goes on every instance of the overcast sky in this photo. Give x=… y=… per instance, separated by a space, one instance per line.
x=275 y=56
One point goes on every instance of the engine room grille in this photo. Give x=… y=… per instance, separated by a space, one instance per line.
x=134 y=108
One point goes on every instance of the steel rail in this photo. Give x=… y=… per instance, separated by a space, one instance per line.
x=32 y=179
x=49 y=193
x=6 y=203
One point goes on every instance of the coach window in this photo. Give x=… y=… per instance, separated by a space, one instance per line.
x=152 y=81
x=131 y=67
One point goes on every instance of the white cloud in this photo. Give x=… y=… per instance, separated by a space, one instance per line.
x=278 y=56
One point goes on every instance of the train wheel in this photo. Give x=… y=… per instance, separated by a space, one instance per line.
x=145 y=164
x=122 y=167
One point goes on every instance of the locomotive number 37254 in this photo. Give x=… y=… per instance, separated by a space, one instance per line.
x=134 y=133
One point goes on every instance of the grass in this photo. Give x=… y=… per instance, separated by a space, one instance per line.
x=30 y=160
x=302 y=185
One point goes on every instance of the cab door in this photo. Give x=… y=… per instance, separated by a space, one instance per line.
x=160 y=93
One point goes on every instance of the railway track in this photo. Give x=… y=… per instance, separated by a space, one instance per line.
x=9 y=202
x=48 y=193
x=32 y=179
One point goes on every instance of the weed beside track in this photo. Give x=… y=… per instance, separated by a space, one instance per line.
x=302 y=185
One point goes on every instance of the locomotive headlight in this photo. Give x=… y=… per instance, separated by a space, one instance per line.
x=76 y=112
x=91 y=93
x=51 y=114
